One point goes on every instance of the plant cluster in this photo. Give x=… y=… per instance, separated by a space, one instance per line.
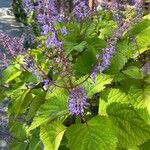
x=18 y=11
x=84 y=84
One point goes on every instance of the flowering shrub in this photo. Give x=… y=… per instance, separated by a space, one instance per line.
x=85 y=82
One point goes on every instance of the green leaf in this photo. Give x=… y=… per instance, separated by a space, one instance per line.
x=37 y=101
x=2 y=95
x=10 y=74
x=55 y=106
x=20 y=99
x=145 y=146
x=18 y=130
x=18 y=145
x=80 y=47
x=131 y=128
x=97 y=134
x=22 y=141
x=134 y=72
x=100 y=83
x=110 y=96
x=51 y=135
x=28 y=77
x=140 y=26
x=140 y=98
x=143 y=38
x=96 y=43
x=84 y=62
x=120 y=57
x=141 y=32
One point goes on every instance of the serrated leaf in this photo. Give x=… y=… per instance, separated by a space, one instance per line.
x=28 y=77
x=134 y=72
x=37 y=101
x=10 y=74
x=143 y=39
x=141 y=32
x=51 y=135
x=131 y=128
x=55 y=106
x=80 y=46
x=18 y=145
x=110 y=96
x=18 y=130
x=97 y=134
x=140 y=98
x=120 y=57
x=100 y=83
x=145 y=146
x=84 y=62
x=19 y=98
x=27 y=143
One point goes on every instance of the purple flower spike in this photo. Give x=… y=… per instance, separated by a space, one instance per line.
x=81 y=9
x=46 y=29
x=28 y=6
x=146 y=68
x=77 y=101
x=64 y=31
x=93 y=76
x=46 y=84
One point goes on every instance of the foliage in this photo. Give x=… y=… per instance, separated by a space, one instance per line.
x=18 y=10
x=116 y=102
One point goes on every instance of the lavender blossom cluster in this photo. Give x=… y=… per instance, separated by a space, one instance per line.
x=77 y=101
x=81 y=9
x=13 y=47
x=108 y=52
x=47 y=14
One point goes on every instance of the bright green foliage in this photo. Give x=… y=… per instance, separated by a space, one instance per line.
x=21 y=139
x=131 y=128
x=123 y=53
x=140 y=98
x=84 y=62
x=51 y=135
x=37 y=101
x=97 y=134
x=55 y=106
x=118 y=115
x=18 y=99
x=145 y=145
x=99 y=85
x=10 y=73
x=134 y=72
x=110 y=96
x=141 y=32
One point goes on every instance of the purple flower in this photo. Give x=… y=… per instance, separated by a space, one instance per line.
x=108 y=52
x=28 y=6
x=41 y=18
x=138 y=6
x=13 y=45
x=81 y=9
x=106 y=57
x=77 y=101
x=146 y=68
x=46 y=84
x=46 y=29
x=93 y=76
x=3 y=61
x=64 y=31
x=52 y=41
